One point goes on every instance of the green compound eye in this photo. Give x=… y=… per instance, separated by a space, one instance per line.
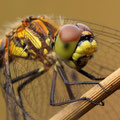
x=67 y=40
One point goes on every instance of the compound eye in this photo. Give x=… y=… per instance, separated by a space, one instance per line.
x=70 y=33
x=83 y=27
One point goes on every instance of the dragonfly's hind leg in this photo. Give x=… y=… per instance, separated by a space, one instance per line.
x=19 y=89
x=28 y=78
x=31 y=76
x=70 y=94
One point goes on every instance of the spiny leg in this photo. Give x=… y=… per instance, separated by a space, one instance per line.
x=31 y=76
x=36 y=73
x=65 y=79
x=23 y=76
x=17 y=104
x=53 y=89
x=69 y=101
x=92 y=77
x=19 y=89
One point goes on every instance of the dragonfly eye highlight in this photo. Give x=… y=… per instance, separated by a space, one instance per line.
x=70 y=33
x=83 y=27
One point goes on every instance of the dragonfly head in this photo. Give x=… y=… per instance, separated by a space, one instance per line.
x=75 y=44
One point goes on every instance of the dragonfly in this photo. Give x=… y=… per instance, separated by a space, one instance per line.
x=55 y=57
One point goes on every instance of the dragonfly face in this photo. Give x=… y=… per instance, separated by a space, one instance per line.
x=75 y=44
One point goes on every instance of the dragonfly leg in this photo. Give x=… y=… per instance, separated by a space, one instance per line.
x=19 y=89
x=89 y=75
x=23 y=76
x=31 y=76
x=65 y=79
x=53 y=88
x=26 y=75
x=69 y=101
x=19 y=106
x=20 y=100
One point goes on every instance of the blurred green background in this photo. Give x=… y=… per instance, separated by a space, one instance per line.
x=104 y=12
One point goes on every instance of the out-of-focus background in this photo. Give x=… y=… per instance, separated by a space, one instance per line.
x=104 y=12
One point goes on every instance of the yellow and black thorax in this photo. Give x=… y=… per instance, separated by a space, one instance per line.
x=32 y=39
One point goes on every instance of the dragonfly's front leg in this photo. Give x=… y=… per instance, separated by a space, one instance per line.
x=92 y=77
x=66 y=81
x=53 y=89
